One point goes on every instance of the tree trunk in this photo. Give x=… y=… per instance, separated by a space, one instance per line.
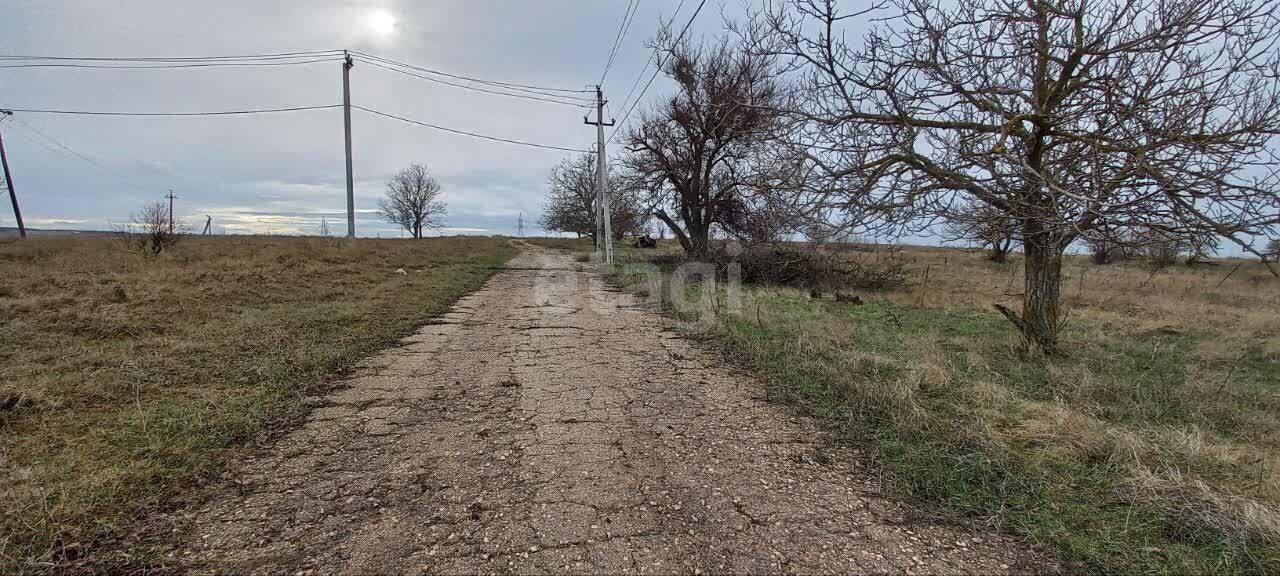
x=999 y=251
x=1041 y=297
x=697 y=244
x=699 y=239
x=676 y=230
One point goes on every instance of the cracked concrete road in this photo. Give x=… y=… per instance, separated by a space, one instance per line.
x=548 y=424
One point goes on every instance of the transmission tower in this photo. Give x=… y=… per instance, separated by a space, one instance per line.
x=520 y=225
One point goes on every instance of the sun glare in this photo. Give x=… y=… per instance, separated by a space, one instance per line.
x=381 y=22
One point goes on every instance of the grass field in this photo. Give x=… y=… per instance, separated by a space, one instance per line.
x=125 y=377
x=1151 y=446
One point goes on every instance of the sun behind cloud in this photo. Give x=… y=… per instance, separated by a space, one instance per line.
x=381 y=22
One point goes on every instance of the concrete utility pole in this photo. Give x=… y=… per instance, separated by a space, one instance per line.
x=346 y=123
x=170 y=196
x=603 y=214
x=8 y=183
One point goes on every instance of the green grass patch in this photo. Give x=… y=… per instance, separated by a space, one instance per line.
x=1132 y=453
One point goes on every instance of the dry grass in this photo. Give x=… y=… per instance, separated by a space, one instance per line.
x=1246 y=304
x=131 y=375
x=1151 y=446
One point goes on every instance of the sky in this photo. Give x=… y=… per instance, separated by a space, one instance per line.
x=282 y=173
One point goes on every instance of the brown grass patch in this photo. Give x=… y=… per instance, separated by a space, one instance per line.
x=138 y=374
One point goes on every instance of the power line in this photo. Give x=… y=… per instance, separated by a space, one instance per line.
x=657 y=69
x=627 y=16
x=509 y=85
x=269 y=56
x=407 y=73
x=282 y=59
x=210 y=113
x=640 y=76
x=209 y=64
x=396 y=66
x=57 y=143
x=127 y=180
x=465 y=133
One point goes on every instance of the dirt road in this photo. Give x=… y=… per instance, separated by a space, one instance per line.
x=548 y=424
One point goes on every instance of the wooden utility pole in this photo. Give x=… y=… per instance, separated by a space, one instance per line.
x=346 y=124
x=603 y=215
x=170 y=196
x=8 y=183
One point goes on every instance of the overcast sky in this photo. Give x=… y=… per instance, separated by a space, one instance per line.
x=283 y=172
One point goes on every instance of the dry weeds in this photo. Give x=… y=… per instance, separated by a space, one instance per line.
x=1176 y=370
x=137 y=374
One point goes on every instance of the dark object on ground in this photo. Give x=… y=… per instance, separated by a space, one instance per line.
x=842 y=297
x=12 y=402
x=646 y=242
x=816 y=294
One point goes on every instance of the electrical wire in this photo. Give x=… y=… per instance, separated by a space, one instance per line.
x=210 y=113
x=55 y=142
x=113 y=172
x=446 y=82
x=640 y=76
x=210 y=64
x=287 y=59
x=269 y=56
x=628 y=16
x=508 y=85
x=657 y=69
x=466 y=133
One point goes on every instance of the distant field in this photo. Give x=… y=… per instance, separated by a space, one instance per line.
x=123 y=377
x=1151 y=446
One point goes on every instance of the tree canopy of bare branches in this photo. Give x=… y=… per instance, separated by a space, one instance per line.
x=150 y=230
x=571 y=200
x=991 y=228
x=413 y=200
x=697 y=153
x=1065 y=115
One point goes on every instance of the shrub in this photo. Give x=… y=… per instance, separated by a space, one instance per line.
x=150 y=230
x=884 y=269
x=1159 y=248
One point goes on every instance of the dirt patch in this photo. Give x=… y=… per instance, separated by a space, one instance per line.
x=547 y=424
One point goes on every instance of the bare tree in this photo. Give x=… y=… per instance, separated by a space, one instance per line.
x=1106 y=244
x=572 y=196
x=1065 y=115
x=1273 y=249
x=1200 y=247
x=695 y=153
x=150 y=231
x=1157 y=246
x=413 y=200
x=990 y=227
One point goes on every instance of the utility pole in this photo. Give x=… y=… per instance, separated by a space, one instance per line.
x=8 y=183
x=346 y=123
x=603 y=214
x=170 y=196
